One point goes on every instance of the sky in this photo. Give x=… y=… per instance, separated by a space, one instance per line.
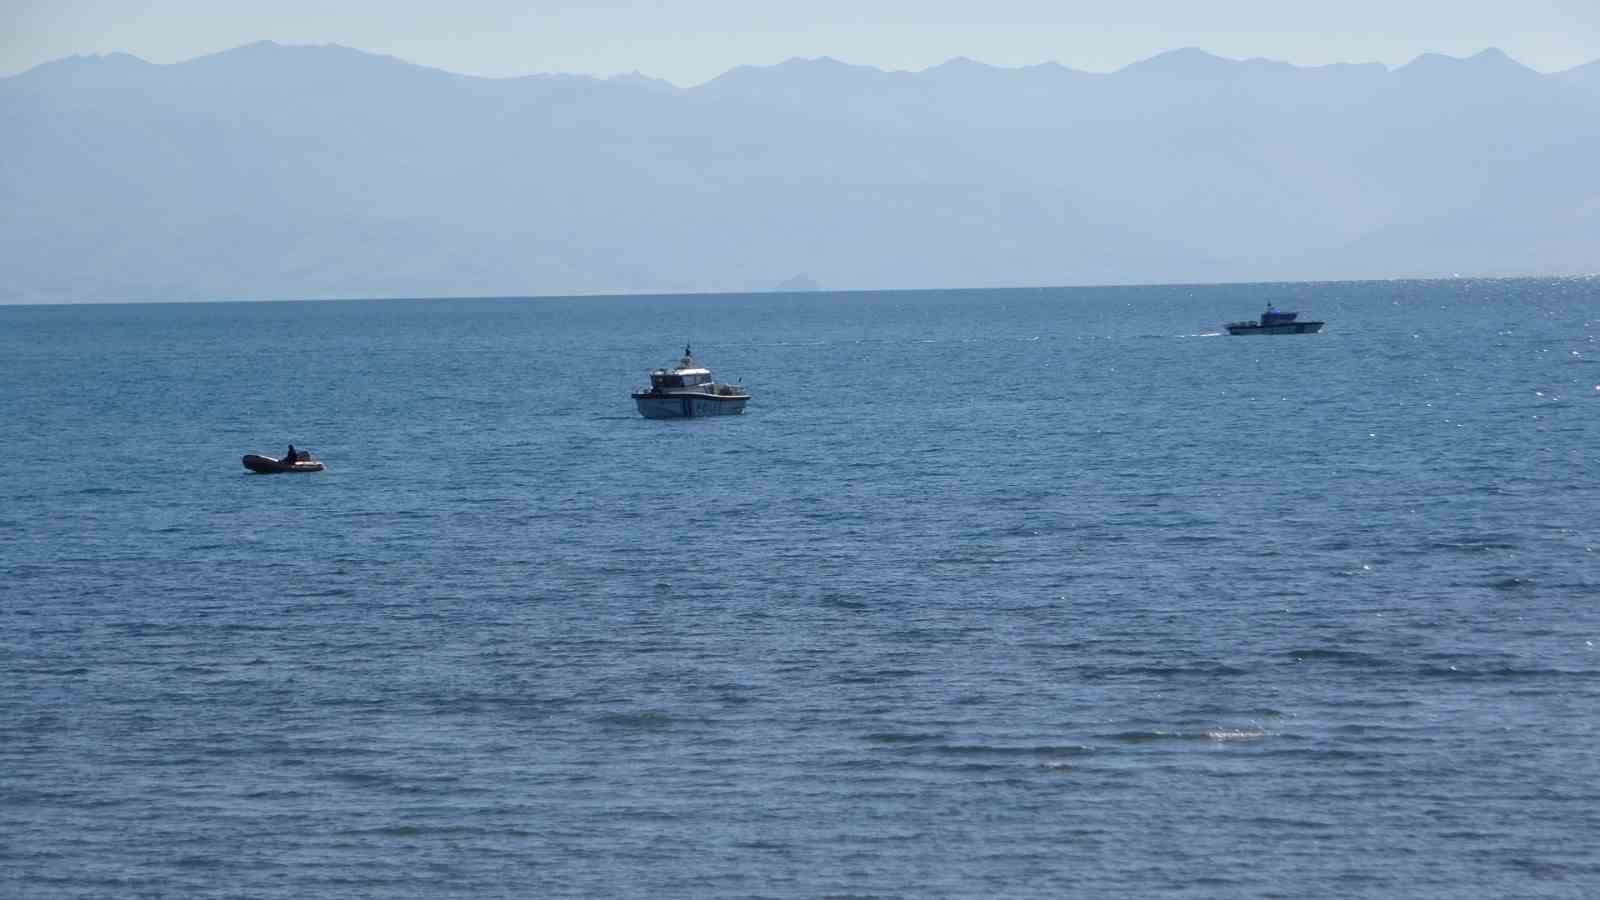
x=692 y=41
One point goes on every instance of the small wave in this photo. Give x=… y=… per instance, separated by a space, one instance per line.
x=1513 y=583
x=1469 y=545
x=1282 y=822
x=1546 y=868
x=1452 y=673
x=1216 y=670
x=643 y=721
x=1194 y=539
x=275 y=795
x=1149 y=737
x=876 y=675
x=1328 y=754
x=1009 y=750
x=1236 y=734
x=1369 y=703
x=359 y=777
x=1334 y=655
x=1217 y=711
x=424 y=830
x=981 y=768
x=1217 y=735
x=899 y=737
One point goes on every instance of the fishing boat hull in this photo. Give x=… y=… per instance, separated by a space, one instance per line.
x=266 y=465
x=1284 y=328
x=688 y=406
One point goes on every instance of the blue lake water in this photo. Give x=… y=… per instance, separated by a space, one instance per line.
x=989 y=593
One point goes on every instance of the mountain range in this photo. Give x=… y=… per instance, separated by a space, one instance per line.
x=321 y=171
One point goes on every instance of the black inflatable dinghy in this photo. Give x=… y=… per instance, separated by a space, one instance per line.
x=267 y=465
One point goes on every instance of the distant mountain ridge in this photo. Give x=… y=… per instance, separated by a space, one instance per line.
x=311 y=171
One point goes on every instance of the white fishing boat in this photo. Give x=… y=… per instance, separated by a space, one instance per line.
x=687 y=391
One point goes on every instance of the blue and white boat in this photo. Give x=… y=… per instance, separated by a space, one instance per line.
x=687 y=391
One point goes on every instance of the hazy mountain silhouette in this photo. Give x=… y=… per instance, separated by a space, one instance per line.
x=273 y=171
x=800 y=283
x=1586 y=76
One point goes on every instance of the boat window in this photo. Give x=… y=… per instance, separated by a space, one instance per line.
x=668 y=380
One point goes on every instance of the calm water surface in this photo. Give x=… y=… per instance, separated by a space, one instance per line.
x=991 y=593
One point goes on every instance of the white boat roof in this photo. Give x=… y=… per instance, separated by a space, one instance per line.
x=679 y=371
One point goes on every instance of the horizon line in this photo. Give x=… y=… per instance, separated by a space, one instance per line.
x=669 y=295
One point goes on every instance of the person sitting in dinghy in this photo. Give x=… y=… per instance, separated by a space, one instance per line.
x=290 y=458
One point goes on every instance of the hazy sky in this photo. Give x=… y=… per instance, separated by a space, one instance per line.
x=689 y=41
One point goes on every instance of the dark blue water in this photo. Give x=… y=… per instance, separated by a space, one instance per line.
x=994 y=593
